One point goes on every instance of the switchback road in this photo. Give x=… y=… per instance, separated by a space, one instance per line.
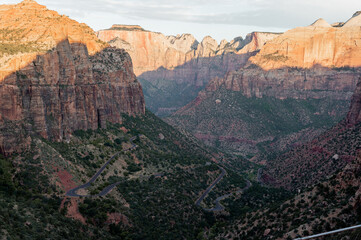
x=200 y=199
x=218 y=205
x=106 y=190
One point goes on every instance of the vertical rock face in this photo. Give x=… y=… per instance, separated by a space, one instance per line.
x=151 y=51
x=174 y=68
x=57 y=77
x=354 y=115
x=316 y=61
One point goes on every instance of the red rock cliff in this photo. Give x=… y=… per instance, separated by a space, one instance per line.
x=57 y=77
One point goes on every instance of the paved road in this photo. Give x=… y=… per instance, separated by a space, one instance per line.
x=218 y=205
x=259 y=175
x=200 y=199
x=106 y=190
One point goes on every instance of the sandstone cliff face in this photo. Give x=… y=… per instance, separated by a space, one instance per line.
x=61 y=80
x=173 y=69
x=317 y=44
x=151 y=51
x=309 y=62
x=210 y=60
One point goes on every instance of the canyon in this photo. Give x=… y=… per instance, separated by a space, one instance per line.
x=269 y=124
x=318 y=63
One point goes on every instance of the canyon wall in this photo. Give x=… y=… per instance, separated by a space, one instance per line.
x=173 y=69
x=307 y=62
x=57 y=77
x=151 y=50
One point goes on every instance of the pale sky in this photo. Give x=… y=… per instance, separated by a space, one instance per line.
x=221 y=19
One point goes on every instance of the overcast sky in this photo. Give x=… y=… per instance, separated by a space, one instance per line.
x=221 y=19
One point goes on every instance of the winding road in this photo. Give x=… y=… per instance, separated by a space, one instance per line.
x=200 y=199
x=218 y=205
x=259 y=175
x=106 y=190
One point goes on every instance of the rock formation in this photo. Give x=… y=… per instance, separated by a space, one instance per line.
x=320 y=23
x=170 y=66
x=57 y=77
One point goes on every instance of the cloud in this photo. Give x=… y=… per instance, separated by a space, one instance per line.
x=271 y=13
x=263 y=13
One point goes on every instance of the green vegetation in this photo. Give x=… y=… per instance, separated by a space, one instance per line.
x=159 y=182
x=253 y=123
x=27 y=213
x=6 y=184
x=14 y=48
x=275 y=57
x=130 y=29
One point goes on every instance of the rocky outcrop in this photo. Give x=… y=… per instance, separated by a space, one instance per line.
x=174 y=58
x=354 y=21
x=57 y=77
x=255 y=41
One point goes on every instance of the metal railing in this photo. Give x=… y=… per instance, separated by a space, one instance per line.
x=328 y=233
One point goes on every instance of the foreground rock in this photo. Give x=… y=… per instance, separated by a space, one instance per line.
x=56 y=76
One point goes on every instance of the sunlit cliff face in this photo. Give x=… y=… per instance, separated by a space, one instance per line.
x=318 y=44
x=28 y=29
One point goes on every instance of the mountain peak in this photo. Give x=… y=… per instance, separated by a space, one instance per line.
x=320 y=23
x=356 y=14
x=44 y=28
x=30 y=4
x=355 y=20
x=28 y=1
